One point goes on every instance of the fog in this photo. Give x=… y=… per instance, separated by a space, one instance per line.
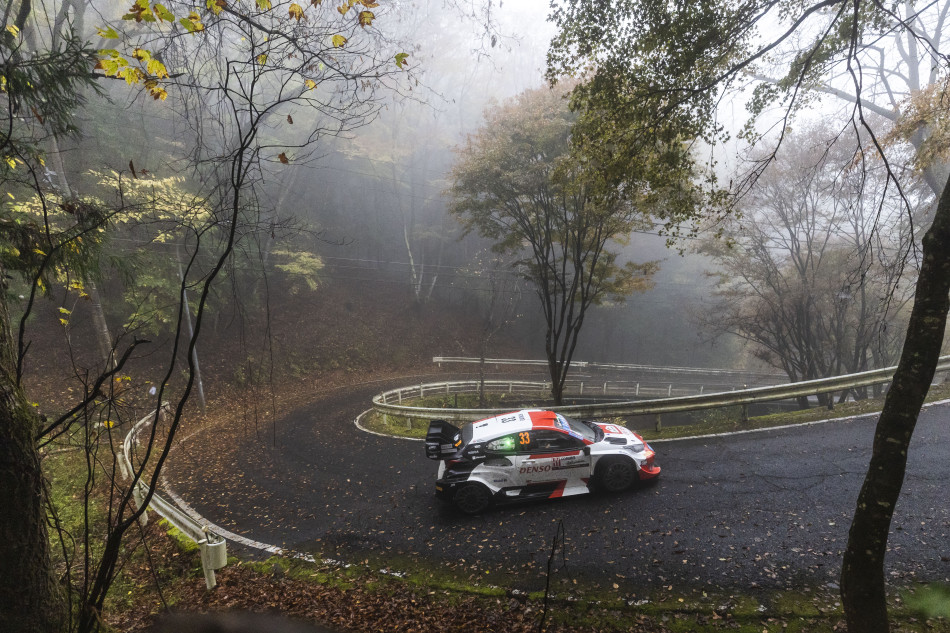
x=371 y=202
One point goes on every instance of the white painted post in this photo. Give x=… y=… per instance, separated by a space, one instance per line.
x=139 y=502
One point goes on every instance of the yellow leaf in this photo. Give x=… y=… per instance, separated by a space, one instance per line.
x=12 y=165
x=13 y=30
x=343 y=8
x=64 y=321
x=64 y=311
x=216 y=6
x=338 y=40
x=296 y=11
x=156 y=68
x=262 y=59
x=369 y=4
x=39 y=252
x=310 y=84
x=264 y=5
x=365 y=18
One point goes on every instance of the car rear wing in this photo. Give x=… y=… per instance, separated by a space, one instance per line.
x=442 y=440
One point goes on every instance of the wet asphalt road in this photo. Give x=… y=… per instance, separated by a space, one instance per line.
x=768 y=510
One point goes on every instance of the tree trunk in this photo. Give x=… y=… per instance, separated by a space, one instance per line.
x=862 y=571
x=29 y=596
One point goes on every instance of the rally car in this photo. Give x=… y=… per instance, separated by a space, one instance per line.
x=534 y=454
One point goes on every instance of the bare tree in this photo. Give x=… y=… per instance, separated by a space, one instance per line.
x=807 y=271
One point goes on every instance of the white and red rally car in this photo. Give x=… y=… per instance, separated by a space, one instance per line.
x=531 y=454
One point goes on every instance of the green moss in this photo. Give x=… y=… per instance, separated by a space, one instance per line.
x=930 y=601
x=184 y=544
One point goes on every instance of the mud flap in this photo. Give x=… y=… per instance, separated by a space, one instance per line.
x=442 y=440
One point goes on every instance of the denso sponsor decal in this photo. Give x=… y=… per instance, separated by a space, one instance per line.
x=613 y=429
x=545 y=468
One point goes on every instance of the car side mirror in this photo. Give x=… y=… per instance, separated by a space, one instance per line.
x=587 y=450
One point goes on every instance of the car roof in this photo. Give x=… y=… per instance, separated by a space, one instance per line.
x=514 y=422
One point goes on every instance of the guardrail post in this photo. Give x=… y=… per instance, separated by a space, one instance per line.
x=638 y=390
x=214 y=555
x=659 y=422
x=139 y=501
x=669 y=392
x=582 y=388
x=745 y=413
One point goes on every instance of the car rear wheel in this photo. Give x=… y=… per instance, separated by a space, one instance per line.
x=616 y=475
x=472 y=498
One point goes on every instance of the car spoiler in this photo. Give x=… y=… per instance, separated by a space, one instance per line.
x=442 y=440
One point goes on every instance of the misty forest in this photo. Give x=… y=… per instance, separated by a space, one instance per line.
x=241 y=241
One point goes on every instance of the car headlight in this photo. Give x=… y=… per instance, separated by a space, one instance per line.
x=635 y=446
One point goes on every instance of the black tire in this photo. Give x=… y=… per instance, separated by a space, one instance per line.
x=472 y=498
x=616 y=475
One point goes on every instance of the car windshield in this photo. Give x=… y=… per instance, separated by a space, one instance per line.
x=579 y=428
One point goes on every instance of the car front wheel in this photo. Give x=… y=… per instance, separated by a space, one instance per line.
x=616 y=475
x=472 y=498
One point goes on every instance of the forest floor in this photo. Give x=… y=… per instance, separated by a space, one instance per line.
x=168 y=581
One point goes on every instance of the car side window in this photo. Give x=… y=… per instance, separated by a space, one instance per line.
x=554 y=441
x=505 y=445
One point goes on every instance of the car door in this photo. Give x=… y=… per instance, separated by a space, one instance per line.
x=550 y=459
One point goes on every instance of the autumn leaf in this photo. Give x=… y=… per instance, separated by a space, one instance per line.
x=216 y=6
x=262 y=59
x=264 y=5
x=13 y=30
x=338 y=40
x=401 y=59
x=156 y=68
x=343 y=8
x=283 y=158
x=140 y=12
x=163 y=13
x=316 y=3
x=290 y=119
x=365 y=18
x=108 y=34
x=310 y=84
x=369 y=4
x=192 y=23
x=156 y=90
x=296 y=11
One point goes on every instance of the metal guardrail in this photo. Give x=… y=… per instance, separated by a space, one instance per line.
x=587 y=388
x=213 y=548
x=748 y=376
x=656 y=407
